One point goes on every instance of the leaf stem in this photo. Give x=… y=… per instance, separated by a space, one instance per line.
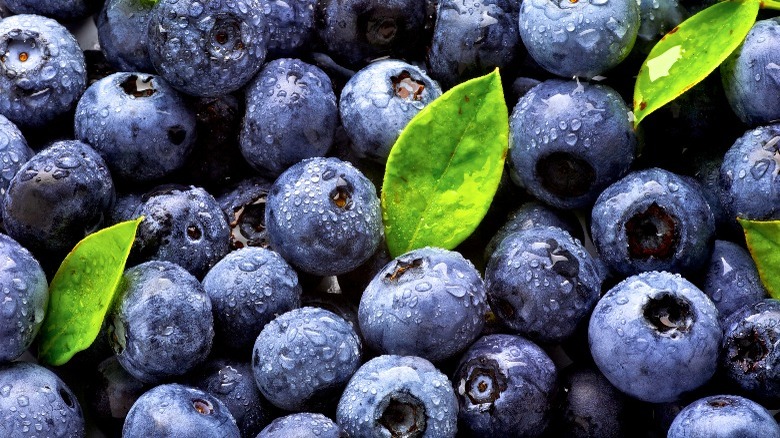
x=770 y=4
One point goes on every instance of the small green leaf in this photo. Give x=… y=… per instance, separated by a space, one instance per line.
x=147 y=4
x=763 y=241
x=690 y=52
x=82 y=291
x=444 y=170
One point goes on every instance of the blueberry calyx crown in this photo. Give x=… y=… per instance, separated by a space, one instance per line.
x=406 y=87
x=652 y=232
x=485 y=382
x=671 y=316
x=565 y=175
x=401 y=266
x=748 y=351
x=403 y=415
x=203 y=407
x=136 y=86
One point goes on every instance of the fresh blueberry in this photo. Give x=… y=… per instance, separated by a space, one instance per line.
x=60 y=195
x=751 y=74
x=175 y=410
x=248 y=288
x=401 y=396
x=15 y=152
x=505 y=386
x=244 y=206
x=569 y=140
x=429 y=302
x=303 y=358
x=323 y=216
x=121 y=27
x=124 y=207
x=183 y=225
x=732 y=279
x=26 y=296
x=291 y=115
x=558 y=38
x=302 y=425
x=542 y=282
x=652 y=219
x=161 y=326
x=111 y=393
x=61 y=10
x=724 y=416
x=655 y=336
x=750 y=357
x=43 y=70
x=35 y=402
x=379 y=101
x=706 y=170
x=357 y=31
x=290 y=26
x=207 y=48
x=138 y=123
x=473 y=37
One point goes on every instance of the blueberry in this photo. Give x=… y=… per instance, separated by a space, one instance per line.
x=161 y=326
x=542 y=282
x=473 y=37
x=121 y=26
x=655 y=336
x=25 y=299
x=303 y=358
x=124 y=207
x=303 y=425
x=429 y=302
x=183 y=225
x=207 y=49
x=181 y=411
x=505 y=386
x=290 y=26
x=323 y=216
x=61 y=10
x=724 y=416
x=139 y=124
x=43 y=70
x=732 y=279
x=60 y=195
x=15 y=152
x=750 y=359
x=244 y=206
x=35 y=402
x=570 y=140
x=656 y=18
x=652 y=219
x=751 y=74
x=563 y=43
x=111 y=393
x=378 y=102
x=291 y=115
x=356 y=31
x=248 y=288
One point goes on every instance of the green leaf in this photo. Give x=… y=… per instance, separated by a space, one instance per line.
x=82 y=291
x=690 y=52
x=148 y=4
x=763 y=241
x=444 y=170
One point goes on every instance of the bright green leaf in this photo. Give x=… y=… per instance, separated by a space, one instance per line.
x=82 y=291
x=690 y=52
x=148 y=4
x=763 y=241
x=444 y=169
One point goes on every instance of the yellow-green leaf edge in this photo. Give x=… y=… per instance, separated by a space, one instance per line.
x=763 y=242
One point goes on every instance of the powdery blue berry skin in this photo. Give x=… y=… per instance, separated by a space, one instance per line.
x=652 y=219
x=323 y=216
x=61 y=10
x=178 y=410
x=749 y=181
x=304 y=358
x=505 y=385
x=378 y=102
x=542 y=282
x=302 y=424
x=390 y=388
x=429 y=302
x=162 y=324
x=731 y=279
x=121 y=26
x=207 y=48
x=36 y=402
x=724 y=416
x=473 y=37
x=655 y=336
x=248 y=288
x=182 y=225
x=568 y=141
x=25 y=298
x=751 y=74
x=290 y=25
x=14 y=152
x=43 y=70
x=291 y=114
x=563 y=43
x=138 y=123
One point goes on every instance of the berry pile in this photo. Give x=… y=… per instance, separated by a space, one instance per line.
x=608 y=292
